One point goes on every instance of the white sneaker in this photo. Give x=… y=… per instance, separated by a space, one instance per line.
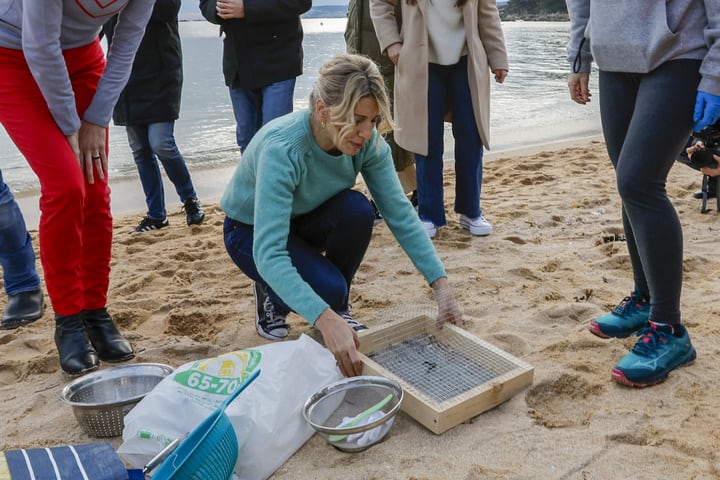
x=430 y=228
x=477 y=226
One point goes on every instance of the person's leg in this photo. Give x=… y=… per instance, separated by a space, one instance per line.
x=27 y=118
x=162 y=142
x=277 y=100
x=148 y=170
x=17 y=257
x=656 y=133
x=468 y=146
x=85 y=67
x=25 y=302
x=246 y=108
x=342 y=228
x=429 y=167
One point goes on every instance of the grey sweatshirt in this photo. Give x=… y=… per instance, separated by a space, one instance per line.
x=43 y=28
x=637 y=36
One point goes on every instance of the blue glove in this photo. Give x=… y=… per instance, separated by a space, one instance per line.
x=707 y=110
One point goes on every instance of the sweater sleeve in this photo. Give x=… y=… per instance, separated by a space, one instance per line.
x=382 y=13
x=710 y=68
x=491 y=34
x=41 y=26
x=578 y=47
x=128 y=34
x=277 y=176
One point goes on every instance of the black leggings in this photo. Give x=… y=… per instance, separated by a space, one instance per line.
x=646 y=121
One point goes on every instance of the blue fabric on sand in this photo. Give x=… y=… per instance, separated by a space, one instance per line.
x=94 y=461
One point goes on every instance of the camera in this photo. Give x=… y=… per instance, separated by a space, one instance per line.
x=710 y=137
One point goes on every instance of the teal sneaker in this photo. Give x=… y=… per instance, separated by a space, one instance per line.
x=630 y=316
x=652 y=358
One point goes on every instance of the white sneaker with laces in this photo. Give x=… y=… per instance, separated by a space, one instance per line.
x=430 y=228
x=476 y=226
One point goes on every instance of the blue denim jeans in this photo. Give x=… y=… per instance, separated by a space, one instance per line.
x=150 y=143
x=646 y=120
x=255 y=108
x=448 y=90
x=340 y=228
x=16 y=251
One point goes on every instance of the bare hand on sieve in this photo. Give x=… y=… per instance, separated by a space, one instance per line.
x=448 y=310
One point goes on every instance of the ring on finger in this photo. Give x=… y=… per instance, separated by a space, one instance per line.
x=95 y=157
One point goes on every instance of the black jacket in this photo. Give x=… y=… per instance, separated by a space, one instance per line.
x=152 y=93
x=264 y=47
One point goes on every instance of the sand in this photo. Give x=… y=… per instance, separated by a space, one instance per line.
x=555 y=261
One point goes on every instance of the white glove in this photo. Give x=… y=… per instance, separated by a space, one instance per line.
x=363 y=439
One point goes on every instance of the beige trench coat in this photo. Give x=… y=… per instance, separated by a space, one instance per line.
x=486 y=51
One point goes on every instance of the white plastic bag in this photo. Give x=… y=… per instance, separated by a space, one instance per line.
x=267 y=417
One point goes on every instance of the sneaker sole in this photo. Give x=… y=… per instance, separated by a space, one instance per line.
x=484 y=232
x=197 y=222
x=594 y=328
x=619 y=376
x=269 y=336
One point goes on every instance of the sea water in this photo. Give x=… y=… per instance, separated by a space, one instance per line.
x=532 y=106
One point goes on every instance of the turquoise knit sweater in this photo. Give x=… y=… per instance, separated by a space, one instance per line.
x=284 y=173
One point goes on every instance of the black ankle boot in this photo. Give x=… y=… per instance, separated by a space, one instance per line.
x=77 y=355
x=105 y=337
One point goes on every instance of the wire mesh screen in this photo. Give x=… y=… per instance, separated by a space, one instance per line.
x=444 y=367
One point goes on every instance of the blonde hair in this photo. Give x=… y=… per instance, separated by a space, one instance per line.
x=344 y=80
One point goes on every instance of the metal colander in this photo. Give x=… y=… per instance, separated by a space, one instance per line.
x=327 y=411
x=100 y=400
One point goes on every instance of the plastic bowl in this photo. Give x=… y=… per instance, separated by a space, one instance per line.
x=208 y=453
x=100 y=400
x=330 y=410
x=210 y=450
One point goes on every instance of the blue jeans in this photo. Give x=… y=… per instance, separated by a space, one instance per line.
x=448 y=90
x=255 y=108
x=646 y=120
x=16 y=251
x=150 y=143
x=341 y=228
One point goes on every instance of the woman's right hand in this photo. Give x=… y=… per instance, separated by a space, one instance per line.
x=342 y=341
x=393 y=52
x=73 y=141
x=578 y=83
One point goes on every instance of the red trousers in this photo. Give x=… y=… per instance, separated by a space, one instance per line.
x=75 y=220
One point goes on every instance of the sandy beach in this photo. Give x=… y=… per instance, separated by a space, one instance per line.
x=555 y=261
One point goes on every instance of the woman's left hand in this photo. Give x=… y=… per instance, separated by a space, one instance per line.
x=92 y=158
x=448 y=310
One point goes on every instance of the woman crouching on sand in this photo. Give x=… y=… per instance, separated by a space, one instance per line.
x=295 y=226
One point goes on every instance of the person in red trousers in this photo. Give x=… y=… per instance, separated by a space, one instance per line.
x=57 y=92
